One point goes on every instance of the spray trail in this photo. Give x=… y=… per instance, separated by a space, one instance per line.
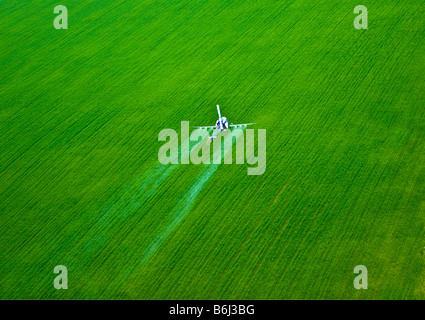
x=134 y=196
x=184 y=206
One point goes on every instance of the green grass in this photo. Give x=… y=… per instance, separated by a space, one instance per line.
x=80 y=185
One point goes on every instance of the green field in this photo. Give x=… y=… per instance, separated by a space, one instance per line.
x=80 y=182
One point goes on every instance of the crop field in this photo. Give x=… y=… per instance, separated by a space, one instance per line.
x=81 y=184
